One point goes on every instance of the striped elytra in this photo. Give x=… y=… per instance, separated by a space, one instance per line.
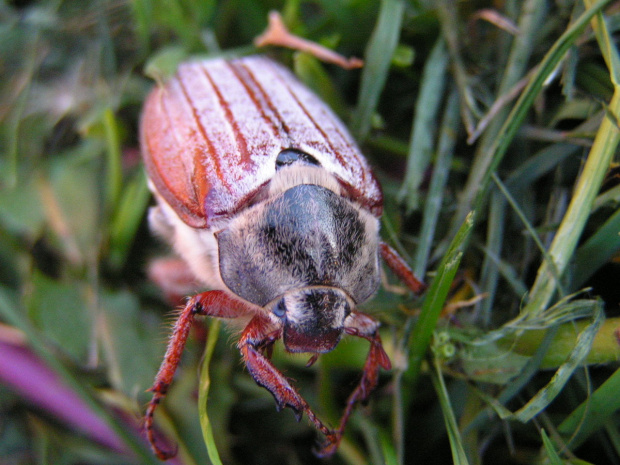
x=212 y=134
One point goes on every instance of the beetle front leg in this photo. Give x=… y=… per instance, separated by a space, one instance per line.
x=211 y=303
x=400 y=268
x=361 y=325
x=258 y=336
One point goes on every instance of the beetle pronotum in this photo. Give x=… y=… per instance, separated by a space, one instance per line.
x=270 y=204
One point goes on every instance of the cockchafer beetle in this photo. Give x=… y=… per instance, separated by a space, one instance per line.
x=268 y=201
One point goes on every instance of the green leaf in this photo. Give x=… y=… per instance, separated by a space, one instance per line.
x=162 y=65
x=132 y=346
x=203 y=394
x=60 y=311
x=378 y=57
x=435 y=299
x=424 y=125
x=593 y=413
x=597 y=250
x=454 y=436
x=127 y=219
x=554 y=458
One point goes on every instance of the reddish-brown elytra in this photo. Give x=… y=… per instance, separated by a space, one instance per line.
x=269 y=203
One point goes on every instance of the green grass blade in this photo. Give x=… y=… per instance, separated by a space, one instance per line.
x=506 y=271
x=606 y=44
x=435 y=300
x=489 y=153
x=456 y=445
x=127 y=219
x=609 y=197
x=592 y=414
x=548 y=393
x=434 y=199
x=597 y=250
x=532 y=232
x=565 y=241
x=114 y=175
x=389 y=452
x=372 y=437
x=489 y=276
x=554 y=458
x=424 y=125
x=477 y=188
x=377 y=63
x=447 y=13
x=539 y=165
x=203 y=393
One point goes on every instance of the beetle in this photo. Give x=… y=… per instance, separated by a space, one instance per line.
x=270 y=204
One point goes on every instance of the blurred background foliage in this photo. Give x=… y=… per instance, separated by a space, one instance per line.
x=506 y=108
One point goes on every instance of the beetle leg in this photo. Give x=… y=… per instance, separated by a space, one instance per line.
x=360 y=325
x=211 y=303
x=400 y=268
x=257 y=335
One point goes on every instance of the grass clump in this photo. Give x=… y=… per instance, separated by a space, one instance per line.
x=493 y=127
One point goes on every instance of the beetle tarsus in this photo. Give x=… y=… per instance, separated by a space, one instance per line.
x=160 y=452
x=329 y=447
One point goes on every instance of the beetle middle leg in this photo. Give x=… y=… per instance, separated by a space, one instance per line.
x=173 y=277
x=258 y=336
x=361 y=325
x=401 y=269
x=212 y=303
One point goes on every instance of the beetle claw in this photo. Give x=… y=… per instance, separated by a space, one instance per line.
x=163 y=454
x=328 y=448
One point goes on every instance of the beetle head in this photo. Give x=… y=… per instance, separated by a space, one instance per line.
x=312 y=318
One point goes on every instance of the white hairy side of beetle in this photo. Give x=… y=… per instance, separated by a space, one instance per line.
x=198 y=247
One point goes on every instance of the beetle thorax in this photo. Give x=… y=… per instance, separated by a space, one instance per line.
x=304 y=234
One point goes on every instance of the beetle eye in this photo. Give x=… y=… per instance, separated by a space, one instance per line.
x=280 y=309
x=289 y=156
